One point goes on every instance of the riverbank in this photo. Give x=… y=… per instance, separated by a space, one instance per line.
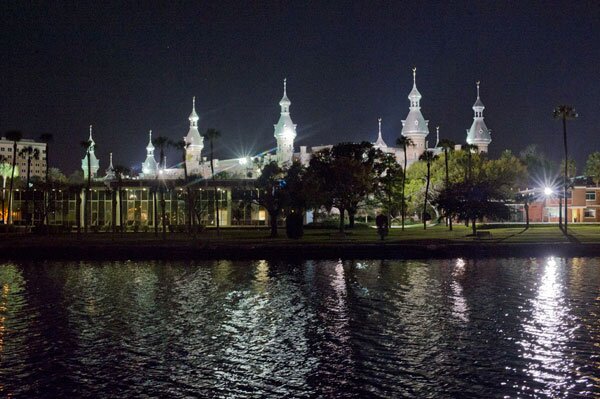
x=435 y=242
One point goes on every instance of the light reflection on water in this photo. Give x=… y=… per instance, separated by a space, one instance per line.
x=443 y=328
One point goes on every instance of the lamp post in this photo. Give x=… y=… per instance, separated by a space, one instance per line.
x=547 y=194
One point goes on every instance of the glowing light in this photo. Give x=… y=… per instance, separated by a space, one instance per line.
x=548 y=191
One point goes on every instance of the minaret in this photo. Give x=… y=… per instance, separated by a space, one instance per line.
x=195 y=144
x=415 y=126
x=110 y=171
x=379 y=143
x=150 y=167
x=285 y=131
x=94 y=163
x=479 y=134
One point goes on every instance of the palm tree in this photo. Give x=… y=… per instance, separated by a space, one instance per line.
x=182 y=146
x=447 y=145
x=565 y=112
x=14 y=136
x=161 y=143
x=428 y=156
x=120 y=173
x=6 y=171
x=469 y=148
x=46 y=138
x=87 y=146
x=28 y=152
x=404 y=142
x=211 y=135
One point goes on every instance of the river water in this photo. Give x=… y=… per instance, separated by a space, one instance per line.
x=440 y=328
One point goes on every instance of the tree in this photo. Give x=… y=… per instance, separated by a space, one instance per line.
x=211 y=135
x=182 y=146
x=15 y=136
x=344 y=175
x=473 y=200
x=447 y=145
x=565 y=112
x=161 y=143
x=270 y=193
x=404 y=142
x=29 y=153
x=75 y=186
x=389 y=183
x=120 y=173
x=87 y=146
x=6 y=171
x=46 y=138
x=570 y=167
x=592 y=167
x=428 y=157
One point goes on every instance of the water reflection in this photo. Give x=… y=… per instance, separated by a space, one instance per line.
x=449 y=328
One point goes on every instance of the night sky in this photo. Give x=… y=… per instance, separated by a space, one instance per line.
x=128 y=69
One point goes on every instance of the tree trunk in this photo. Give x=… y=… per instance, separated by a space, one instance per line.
x=341 y=227
x=27 y=215
x=12 y=179
x=114 y=213
x=526 y=214
x=351 y=217
x=474 y=226
x=448 y=218
x=155 y=212
x=566 y=169
x=121 y=227
x=426 y=194
x=163 y=213
x=273 y=223
x=402 y=211
x=78 y=213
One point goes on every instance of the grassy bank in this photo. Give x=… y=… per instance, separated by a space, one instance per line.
x=414 y=242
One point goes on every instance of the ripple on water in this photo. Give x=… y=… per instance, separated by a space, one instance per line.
x=443 y=328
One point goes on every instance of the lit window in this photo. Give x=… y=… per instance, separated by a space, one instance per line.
x=589 y=213
x=590 y=196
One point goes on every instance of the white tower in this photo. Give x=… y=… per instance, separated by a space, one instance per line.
x=415 y=126
x=150 y=166
x=479 y=134
x=195 y=144
x=110 y=171
x=285 y=131
x=379 y=143
x=94 y=163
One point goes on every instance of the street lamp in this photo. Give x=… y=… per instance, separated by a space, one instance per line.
x=547 y=194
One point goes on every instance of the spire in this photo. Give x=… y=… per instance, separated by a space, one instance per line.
x=478 y=107
x=479 y=134
x=285 y=101
x=193 y=116
x=414 y=96
x=91 y=139
x=437 y=137
x=379 y=143
x=110 y=171
x=150 y=146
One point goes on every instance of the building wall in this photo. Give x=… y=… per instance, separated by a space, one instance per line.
x=38 y=166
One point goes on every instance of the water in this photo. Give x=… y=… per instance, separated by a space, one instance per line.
x=449 y=328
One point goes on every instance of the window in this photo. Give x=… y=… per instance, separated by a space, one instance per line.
x=589 y=213
x=590 y=196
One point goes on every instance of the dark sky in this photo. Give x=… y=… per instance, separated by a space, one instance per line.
x=127 y=69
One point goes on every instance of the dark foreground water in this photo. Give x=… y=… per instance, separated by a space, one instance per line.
x=492 y=328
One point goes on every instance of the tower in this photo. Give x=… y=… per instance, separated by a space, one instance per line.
x=479 y=134
x=94 y=163
x=379 y=143
x=150 y=166
x=414 y=126
x=110 y=171
x=194 y=142
x=285 y=131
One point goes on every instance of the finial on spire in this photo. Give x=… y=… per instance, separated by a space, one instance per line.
x=194 y=102
x=150 y=134
x=284 y=86
x=478 y=83
x=379 y=120
x=90 y=132
x=111 y=165
x=414 y=75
